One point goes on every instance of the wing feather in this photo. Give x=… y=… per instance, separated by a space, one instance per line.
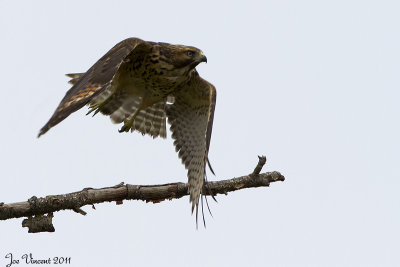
x=74 y=77
x=213 y=101
x=191 y=118
x=93 y=82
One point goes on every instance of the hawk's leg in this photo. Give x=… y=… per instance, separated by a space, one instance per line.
x=96 y=108
x=99 y=106
x=128 y=123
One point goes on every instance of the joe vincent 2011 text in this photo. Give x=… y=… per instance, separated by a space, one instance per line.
x=29 y=259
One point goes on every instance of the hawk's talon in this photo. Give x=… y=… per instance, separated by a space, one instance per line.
x=129 y=123
x=95 y=108
x=122 y=130
x=127 y=126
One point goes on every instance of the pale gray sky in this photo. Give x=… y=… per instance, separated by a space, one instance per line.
x=313 y=85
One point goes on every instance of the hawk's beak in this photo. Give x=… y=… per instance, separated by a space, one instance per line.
x=203 y=57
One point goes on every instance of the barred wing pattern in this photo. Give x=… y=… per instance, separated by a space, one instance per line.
x=151 y=121
x=191 y=118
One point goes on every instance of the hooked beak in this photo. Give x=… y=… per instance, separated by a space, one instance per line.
x=203 y=57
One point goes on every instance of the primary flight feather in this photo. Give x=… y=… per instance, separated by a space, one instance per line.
x=142 y=84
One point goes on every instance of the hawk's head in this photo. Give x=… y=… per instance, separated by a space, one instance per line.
x=180 y=57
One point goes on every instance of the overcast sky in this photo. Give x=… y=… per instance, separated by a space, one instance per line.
x=313 y=85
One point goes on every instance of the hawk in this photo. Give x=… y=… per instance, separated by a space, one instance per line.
x=141 y=84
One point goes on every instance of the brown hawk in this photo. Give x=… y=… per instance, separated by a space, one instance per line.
x=142 y=83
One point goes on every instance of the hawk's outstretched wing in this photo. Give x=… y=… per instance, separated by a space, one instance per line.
x=191 y=119
x=96 y=80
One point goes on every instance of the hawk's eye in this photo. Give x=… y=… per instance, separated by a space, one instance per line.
x=189 y=53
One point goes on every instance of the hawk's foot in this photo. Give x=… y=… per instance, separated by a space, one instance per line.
x=129 y=123
x=127 y=126
x=96 y=108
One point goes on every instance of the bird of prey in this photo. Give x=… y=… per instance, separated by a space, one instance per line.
x=143 y=83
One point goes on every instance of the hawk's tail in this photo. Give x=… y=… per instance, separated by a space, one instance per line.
x=203 y=198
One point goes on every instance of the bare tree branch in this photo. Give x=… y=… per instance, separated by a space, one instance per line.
x=35 y=208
